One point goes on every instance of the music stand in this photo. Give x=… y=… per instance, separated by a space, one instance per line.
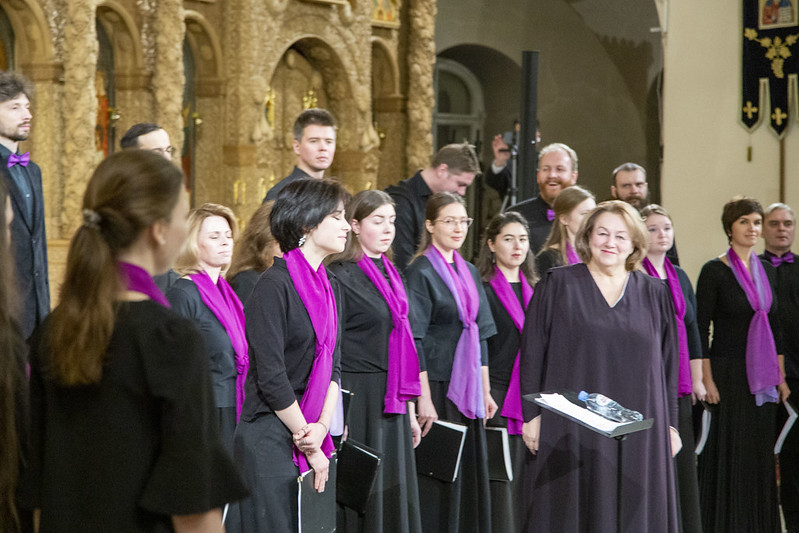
x=619 y=434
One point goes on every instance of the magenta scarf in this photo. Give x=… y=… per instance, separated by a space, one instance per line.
x=762 y=368
x=316 y=294
x=512 y=406
x=227 y=308
x=466 y=380
x=136 y=279
x=571 y=254
x=402 y=382
x=684 y=383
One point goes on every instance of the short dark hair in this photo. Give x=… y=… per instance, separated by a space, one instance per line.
x=314 y=116
x=301 y=206
x=736 y=208
x=628 y=167
x=459 y=157
x=130 y=140
x=12 y=84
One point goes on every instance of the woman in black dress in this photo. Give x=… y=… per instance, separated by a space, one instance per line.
x=657 y=264
x=203 y=296
x=13 y=384
x=602 y=326
x=254 y=253
x=508 y=272
x=744 y=378
x=451 y=321
x=293 y=382
x=570 y=207
x=379 y=364
x=123 y=428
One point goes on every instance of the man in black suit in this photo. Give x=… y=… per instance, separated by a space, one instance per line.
x=23 y=179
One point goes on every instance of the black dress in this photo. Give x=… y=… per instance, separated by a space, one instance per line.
x=737 y=481
x=187 y=302
x=464 y=505
x=140 y=446
x=573 y=340
x=507 y=498
x=282 y=345
x=244 y=282
x=366 y=325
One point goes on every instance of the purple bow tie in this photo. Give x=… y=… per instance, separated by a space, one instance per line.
x=550 y=215
x=777 y=261
x=23 y=159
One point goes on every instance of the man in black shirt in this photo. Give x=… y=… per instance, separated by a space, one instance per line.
x=779 y=227
x=315 y=145
x=452 y=170
x=557 y=169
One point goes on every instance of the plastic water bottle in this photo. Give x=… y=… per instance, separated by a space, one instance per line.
x=604 y=406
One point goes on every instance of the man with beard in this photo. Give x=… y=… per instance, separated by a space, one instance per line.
x=629 y=185
x=315 y=145
x=23 y=178
x=779 y=229
x=557 y=169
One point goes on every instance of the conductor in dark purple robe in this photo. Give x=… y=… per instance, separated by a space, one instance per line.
x=602 y=326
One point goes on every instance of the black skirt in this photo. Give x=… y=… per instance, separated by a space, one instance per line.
x=685 y=468
x=737 y=478
x=507 y=497
x=394 y=503
x=465 y=505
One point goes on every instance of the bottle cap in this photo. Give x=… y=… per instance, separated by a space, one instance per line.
x=582 y=396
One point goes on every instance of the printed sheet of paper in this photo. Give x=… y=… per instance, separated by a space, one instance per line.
x=560 y=403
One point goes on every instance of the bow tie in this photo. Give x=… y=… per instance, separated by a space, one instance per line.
x=550 y=215
x=777 y=261
x=23 y=159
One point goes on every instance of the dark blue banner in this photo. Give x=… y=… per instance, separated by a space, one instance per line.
x=770 y=64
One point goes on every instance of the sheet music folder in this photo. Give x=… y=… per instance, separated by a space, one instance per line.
x=586 y=418
x=317 y=510
x=439 y=453
x=357 y=471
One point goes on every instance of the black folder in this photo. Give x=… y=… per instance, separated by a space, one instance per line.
x=439 y=453
x=500 y=467
x=317 y=510
x=357 y=472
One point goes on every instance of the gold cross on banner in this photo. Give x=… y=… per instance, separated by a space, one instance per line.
x=749 y=109
x=778 y=116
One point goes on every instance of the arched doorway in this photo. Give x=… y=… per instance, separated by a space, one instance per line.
x=459 y=111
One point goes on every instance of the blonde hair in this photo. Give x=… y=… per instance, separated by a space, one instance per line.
x=635 y=226
x=189 y=260
x=568 y=199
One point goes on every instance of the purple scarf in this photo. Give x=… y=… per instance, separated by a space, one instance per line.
x=402 y=382
x=762 y=369
x=136 y=279
x=466 y=380
x=314 y=290
x=227 y=308
x=571 y=255
x=684 y=383
x=512 y=407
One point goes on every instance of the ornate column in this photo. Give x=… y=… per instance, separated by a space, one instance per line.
x=168 y=31
x=80 y=109
x=421 y=99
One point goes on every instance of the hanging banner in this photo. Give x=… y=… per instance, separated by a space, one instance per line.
x=770 y=65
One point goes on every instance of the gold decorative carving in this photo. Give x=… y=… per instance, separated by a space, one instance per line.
x=421 y=99
x=777 y=50
x=168 y=79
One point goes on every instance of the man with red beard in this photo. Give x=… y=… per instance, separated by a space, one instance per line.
x=23 y=178
x=557 y=169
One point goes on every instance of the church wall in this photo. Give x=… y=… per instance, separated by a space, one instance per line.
x=705 y=148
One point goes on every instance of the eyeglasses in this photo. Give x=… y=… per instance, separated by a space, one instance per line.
x=168 y=150
x=452 y=222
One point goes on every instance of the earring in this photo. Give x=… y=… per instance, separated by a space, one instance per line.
x=301 y=241
x=493 y=258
